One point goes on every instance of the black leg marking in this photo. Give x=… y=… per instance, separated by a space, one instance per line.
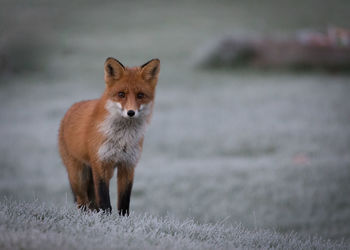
x=103 y=192
x=124 y=201
x=90 y=187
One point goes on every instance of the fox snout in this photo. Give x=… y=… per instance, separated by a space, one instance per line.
x=130 y=113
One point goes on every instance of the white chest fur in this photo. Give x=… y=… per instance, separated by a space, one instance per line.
x=122 y=135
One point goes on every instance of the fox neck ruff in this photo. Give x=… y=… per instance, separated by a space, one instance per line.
x=122 y=135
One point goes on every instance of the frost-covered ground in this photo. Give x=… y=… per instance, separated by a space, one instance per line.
x=29 y=225
x=268 y=150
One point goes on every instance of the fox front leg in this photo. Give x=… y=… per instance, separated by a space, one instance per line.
x=125 y=178
x=101 y=178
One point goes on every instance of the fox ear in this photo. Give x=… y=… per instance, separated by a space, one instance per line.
x=113 y=69
x=150 y=69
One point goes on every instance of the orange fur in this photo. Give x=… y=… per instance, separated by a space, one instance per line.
x=81 y=136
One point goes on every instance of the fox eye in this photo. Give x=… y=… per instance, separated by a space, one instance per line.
x=140 y=95
x=121 y=94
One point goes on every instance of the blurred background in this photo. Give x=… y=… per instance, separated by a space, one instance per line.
x=268 y=148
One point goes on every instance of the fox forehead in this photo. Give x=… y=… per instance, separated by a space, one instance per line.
x=132 y=82
x=130 y=89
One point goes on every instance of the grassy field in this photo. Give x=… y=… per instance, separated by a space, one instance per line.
x=267 y=150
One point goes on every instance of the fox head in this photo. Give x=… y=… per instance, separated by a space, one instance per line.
x=130 y=91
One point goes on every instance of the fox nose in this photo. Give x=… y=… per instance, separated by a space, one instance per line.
x=131 y=113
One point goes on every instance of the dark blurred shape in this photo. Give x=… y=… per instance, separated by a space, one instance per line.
x=25 y=39
x=22 y=53
x=307 y=50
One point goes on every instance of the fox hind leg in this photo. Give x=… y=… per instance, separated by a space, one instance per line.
x=81 y=182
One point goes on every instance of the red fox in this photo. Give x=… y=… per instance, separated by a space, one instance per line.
x=97 y=136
